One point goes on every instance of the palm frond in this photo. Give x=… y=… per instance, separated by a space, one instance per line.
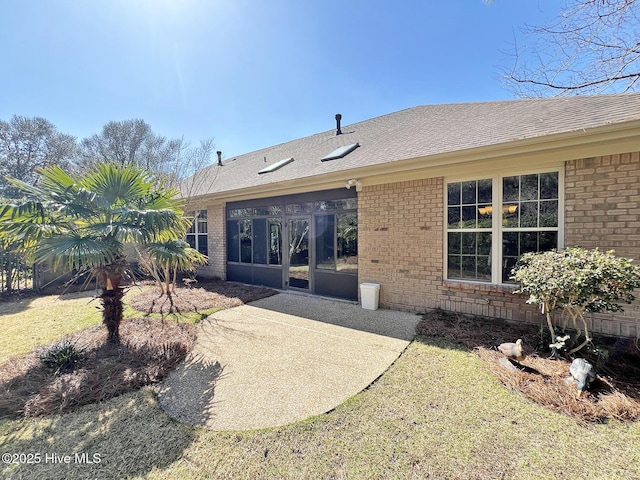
x=175 y=254
x=118 y=184
x=83 y=222
x=149 y=225
x=77 y=252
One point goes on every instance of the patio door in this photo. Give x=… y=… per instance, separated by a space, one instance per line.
x=297 y=269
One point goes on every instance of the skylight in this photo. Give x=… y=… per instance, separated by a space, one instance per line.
x=277 y=165
x=341 y=152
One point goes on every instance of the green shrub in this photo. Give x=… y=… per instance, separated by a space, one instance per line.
x=62 y=357
x=576 y=281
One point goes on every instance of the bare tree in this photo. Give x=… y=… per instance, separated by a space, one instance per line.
x=593 y=46
x=192 y=160
x=131 y=142
x=27 y=144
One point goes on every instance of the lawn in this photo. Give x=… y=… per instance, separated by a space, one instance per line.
x=438 y=412
x=33 y=321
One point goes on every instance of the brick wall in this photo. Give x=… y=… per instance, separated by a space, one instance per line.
x=400 y=237
x=216 y=239
x=400 y=242
x=602 y=204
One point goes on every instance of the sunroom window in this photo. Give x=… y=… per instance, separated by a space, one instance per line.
x=485 y=247
x=256 y=238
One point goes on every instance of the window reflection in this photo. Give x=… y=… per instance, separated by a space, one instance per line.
x=347 y=240
x=533 y=200
x=529 y=214
x=245 y=241
x=275 y=241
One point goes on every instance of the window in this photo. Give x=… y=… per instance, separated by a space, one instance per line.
x=197 y=233
x=529 y=216
x=347 y=241
x=275 y=241
x=246 y=240
x=469 y=220
x=485 y=247
x=255 y=234
x=255 y=240
x=325 y=236
x=337 y=242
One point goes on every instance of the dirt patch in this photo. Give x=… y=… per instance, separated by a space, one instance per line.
x=149 y=350
x=615 y=393
x=203 y=295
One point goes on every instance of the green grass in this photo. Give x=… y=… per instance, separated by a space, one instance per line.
x=30 y=322
x=436 y=413
x=183 y=317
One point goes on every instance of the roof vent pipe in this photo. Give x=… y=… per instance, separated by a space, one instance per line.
x=338 y=118
x=219 y=157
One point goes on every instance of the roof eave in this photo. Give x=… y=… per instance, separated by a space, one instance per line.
x=609 y=139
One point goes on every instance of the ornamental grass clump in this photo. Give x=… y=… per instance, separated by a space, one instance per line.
x=62 y=357
x=576 y=281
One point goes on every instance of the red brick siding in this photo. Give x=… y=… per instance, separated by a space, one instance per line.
x=400 y=242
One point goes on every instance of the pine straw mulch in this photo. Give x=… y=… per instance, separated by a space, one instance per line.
x=149 y=349
x=204 y=295
x=615 y=394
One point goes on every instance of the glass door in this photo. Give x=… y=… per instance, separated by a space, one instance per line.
x=298 y=239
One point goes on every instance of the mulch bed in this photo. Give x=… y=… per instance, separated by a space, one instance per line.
x=615 y=394
x=149 y=349
x=203 y=295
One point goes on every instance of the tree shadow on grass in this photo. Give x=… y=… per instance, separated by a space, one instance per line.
x=124 y=437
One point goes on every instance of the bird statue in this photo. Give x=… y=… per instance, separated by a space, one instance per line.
x=583 y=372
x=512 y=350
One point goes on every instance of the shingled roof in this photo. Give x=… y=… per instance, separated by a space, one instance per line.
x=416 y=133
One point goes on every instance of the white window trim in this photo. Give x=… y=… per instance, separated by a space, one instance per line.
x=496 y=226
x=196 y=231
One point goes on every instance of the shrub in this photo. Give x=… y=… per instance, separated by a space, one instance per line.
x=577 y=281
x=62 y=357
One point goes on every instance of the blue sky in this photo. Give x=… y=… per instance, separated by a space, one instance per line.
x=250 y=73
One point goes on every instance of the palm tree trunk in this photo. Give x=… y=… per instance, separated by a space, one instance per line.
x=112 y=309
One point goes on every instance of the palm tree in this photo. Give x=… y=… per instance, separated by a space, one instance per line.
x=83 y=224
x=163 y=261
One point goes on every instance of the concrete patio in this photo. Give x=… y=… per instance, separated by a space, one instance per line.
x=282 y=359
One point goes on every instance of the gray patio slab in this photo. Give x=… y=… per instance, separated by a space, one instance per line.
x=282 y=359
